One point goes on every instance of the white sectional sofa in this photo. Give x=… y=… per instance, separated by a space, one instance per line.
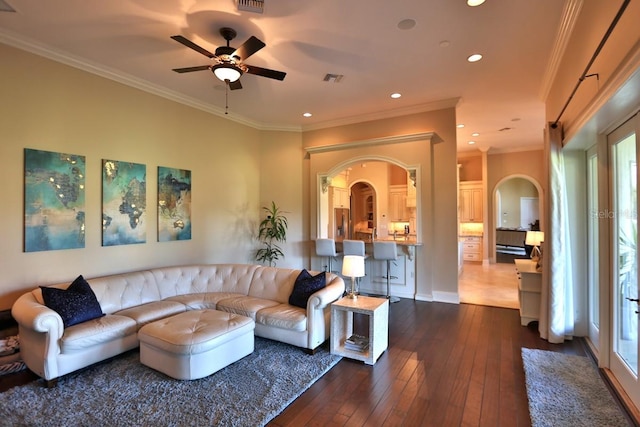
x=131 y=300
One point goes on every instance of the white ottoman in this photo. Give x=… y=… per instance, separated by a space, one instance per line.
x=195 y=344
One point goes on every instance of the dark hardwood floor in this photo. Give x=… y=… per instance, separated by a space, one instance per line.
x=446 y=365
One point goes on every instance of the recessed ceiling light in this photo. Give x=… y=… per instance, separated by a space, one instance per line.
x=445 y=43
x=473 y=3
x=460 y=126
x=474 y=58
x=396 y=95
x=406 y=24
x=475 y=134
x=307 y=114
x=471 y=142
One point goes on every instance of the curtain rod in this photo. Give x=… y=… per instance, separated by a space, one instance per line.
x=593 y=58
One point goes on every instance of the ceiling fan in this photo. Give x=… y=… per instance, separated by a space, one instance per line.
x=228 y=63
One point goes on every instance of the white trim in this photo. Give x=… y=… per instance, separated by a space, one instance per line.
x=568 y=21
x=429 y=136
x=627 y=72
x=448 y=297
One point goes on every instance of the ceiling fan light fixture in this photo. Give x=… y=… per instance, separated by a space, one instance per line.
x=227 y=72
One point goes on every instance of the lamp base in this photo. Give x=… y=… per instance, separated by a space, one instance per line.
x=352 y=292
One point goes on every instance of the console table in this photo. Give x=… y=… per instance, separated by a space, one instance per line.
x=529 y=287
x=342 y=312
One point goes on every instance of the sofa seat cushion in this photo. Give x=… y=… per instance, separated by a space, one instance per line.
x=152 y=311
x=204 y=300
x=84 y=335
x=245 y=306
x=283 y=316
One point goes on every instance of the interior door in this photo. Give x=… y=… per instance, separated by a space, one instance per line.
x=624 y=234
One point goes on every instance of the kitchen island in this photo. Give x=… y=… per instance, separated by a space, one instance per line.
x=403 y=270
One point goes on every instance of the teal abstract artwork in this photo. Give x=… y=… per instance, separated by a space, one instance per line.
x=124 y=203
x=174 y=204
x=54 y=201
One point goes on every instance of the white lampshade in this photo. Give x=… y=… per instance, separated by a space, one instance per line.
x=353 y=266
x=227 y=72
x=534 y=238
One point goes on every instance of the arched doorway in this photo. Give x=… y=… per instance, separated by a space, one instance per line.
x=517 y=208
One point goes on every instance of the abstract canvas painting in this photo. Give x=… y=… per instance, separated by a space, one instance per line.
x=124 y=203
x=54 y=211
x=174 y=204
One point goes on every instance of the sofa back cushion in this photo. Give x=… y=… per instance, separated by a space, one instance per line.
x=234 y=278
x=273 y=283
x=120 y=291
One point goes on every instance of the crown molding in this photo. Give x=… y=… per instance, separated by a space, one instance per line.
x=568 y=22
x=396 y=112
x=432 y=137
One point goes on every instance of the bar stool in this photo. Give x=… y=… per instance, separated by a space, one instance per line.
x=355 y=247
x=326 y=247
x=386 y=251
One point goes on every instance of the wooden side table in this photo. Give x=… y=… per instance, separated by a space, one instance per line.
x=342 y=312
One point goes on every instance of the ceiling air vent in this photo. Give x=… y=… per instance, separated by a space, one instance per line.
x=256 y=6
x=335 y=78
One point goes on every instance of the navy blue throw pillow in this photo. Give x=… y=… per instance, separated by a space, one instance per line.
x=305 y=286
x=76 y=304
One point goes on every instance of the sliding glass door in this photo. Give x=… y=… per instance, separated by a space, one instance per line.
x=593 y=248
x=624 y=235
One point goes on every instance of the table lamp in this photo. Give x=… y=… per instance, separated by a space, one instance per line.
x=353 y=266
x=534 y=238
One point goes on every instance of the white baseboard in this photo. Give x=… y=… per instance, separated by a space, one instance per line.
x=448 y=297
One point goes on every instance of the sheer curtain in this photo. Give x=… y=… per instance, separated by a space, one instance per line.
x=556 y=305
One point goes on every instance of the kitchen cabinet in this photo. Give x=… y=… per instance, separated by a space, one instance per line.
x=398 y=210
x=340 y=197
x=471 y=195
x=529 y=287
x=472 y=248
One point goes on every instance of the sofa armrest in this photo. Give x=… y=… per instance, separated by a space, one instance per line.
x=30 y=314
x=325 y=296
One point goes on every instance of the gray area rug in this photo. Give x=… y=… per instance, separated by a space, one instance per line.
x=122 y=392
x=567 y=390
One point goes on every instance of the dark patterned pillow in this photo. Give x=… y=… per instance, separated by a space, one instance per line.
x=305 y=286
x=76 y=304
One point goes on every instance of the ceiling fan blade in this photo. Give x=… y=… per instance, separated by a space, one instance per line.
x=235 y=85
x=188 y=43
x=248 y=48
x=190 y=69
x=265 y=72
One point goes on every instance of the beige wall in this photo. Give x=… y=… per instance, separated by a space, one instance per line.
x=437 y=258
x=511 y=191
x=281 y=181
x=53 y=107
x=500 y=167
x=470 y=168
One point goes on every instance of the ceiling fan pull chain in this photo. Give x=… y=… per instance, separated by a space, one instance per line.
x=226 y=96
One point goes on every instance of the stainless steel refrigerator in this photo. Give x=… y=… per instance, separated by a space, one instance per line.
x=341 y=221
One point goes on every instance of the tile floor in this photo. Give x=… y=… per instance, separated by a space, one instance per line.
x=494 y=285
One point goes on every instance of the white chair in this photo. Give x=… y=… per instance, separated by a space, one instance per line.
x=326 y=247
x=355 y=247
x=386 y=251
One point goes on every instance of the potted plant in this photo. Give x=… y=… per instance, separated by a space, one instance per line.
x=272 y=230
